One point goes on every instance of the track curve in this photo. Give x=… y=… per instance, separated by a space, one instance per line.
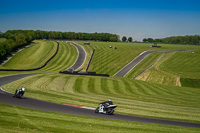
x=81 y=57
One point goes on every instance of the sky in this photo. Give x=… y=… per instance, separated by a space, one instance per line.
x=138 y=19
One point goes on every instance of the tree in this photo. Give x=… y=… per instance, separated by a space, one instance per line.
x=144 y=40
x=124 y=39
x=181 y=40
x=130 y=39
x=2 y=50
x=20 y=39
x=0 y=34
x=150 y=40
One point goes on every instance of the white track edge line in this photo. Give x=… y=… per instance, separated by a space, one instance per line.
x=129 y=63
x=5 y=90
x=136 y=65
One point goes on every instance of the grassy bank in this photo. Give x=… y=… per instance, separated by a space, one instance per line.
x=32 y=57
x=177 y=68
x=17 y=119
x=132 y=97
x=184 y=64
x=65 y=57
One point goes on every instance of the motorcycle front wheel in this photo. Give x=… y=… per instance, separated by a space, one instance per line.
x=110 y=111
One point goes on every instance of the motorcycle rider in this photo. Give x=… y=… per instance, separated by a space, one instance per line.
x=106 y=103
x=106 y=107
x=21 y=90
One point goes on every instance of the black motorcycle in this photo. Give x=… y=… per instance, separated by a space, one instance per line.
x=105 y=109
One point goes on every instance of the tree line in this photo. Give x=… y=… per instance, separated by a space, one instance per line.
x=19 y=38
x=193 y=40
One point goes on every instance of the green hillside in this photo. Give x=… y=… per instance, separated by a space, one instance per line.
x=65 y=58
x=184 y=64
x=168 y=93
x=176 y=68
x=108 y=60
x=32 y=57
x=36 y=55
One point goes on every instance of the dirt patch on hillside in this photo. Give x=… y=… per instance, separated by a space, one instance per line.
x=178 y=82
x=144 y=76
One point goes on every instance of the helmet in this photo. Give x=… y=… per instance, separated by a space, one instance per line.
x=110 y=100
x=23 y=89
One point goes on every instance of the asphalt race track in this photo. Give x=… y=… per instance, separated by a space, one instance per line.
x=132 y=64
x=81 y=57
x=7 y=98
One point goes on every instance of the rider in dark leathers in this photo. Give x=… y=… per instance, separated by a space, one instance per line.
x=21 y=90
x=106 y=103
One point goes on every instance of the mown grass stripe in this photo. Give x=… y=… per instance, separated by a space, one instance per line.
x=128 y=87
x=91 y=85
x=70 y=84
x=32 y=57
x=84 y=85
x=104 y=86
x=65 y=58
x=77 y=85
x=97 y=88
x=116 y=87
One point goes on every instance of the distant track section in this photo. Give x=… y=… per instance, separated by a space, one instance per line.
x=132 y=64
x=81 y=56
x=32 y=69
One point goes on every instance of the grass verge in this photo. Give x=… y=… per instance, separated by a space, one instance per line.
x=132 y=97
x=18 y=119
x=177 y=68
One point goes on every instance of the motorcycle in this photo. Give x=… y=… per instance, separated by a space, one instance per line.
x=19 y=94
x=105 y=109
